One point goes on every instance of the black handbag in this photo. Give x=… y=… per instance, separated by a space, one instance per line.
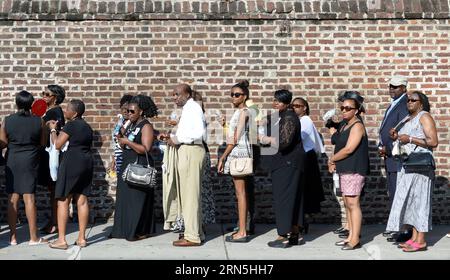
x=419 y=162
x=140 y=176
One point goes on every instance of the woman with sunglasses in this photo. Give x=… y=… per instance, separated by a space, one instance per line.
x=134 y=216
x=313 y=146
x=287 y=169
x=23 y=134
x=75 y=171
x=53 y=95
x=238 y=146
x=351 y=162
x=412 y=199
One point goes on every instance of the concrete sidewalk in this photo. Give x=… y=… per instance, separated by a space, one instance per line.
x=319 y=246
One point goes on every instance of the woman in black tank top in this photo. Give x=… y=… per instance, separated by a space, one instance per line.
x=351 y=162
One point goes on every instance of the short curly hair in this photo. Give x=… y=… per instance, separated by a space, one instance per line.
x=146 y=104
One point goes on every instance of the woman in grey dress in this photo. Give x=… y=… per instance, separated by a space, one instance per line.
x=412 y=201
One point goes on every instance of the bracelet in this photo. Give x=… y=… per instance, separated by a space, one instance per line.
x=53 y=130
x=410 y=139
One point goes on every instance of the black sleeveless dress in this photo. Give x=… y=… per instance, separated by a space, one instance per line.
x=54 y=114
x=76 y=168
x=22 y=157
x=134 y=214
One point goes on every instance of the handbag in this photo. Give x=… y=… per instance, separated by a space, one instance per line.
x=419 y=162
x=139 y=175
x=240 y=167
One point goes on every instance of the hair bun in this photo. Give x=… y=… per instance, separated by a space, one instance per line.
x=244 y=83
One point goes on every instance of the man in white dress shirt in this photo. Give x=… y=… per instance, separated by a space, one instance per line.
x=189 y=138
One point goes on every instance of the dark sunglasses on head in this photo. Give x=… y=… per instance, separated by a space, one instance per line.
x=131 y=111
x=413 y=100
x=297 y=105
x=236 y=94
x=347 y=108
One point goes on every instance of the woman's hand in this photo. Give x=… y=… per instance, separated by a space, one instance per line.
x=220 y=166
x=52 y=124
x=403 y=138
x=331 y=166
x=123 y=141
x=393 y=134
x=171 y=122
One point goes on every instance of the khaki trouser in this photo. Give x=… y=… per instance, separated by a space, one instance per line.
x=171 y=187
x=190 y=163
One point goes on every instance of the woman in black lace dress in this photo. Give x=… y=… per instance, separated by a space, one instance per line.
x=286 y=167
x=134 y=217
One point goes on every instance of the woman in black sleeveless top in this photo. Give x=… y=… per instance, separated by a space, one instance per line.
x=75 y=171
x=133 y=216
x=351 y=162
x=53 y=95
x=23 y=134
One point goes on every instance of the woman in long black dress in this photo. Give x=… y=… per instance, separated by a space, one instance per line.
x=133 y=216
x=287 y=167
x=75 y=171
x=53 y=95
x=23 y=134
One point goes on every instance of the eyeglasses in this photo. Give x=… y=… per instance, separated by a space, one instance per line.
x=347 y=108
x=237 y=94
x=413 y=100
x=46 y=94
x=131 y=111
x=394 y=87
x=297 y=105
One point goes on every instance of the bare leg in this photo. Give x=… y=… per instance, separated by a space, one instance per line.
x=30 y=211
x=241 y=196
x=356 y=219
x=83 y=215
x=349 y=219
x=63 y=214
x=13 y=202
x=420 y=237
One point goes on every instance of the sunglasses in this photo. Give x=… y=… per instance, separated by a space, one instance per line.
x=347 y=108
x=298 y=105
x=236 y=94
x=394 y=87
x=413 y=100
x=131 y=111
x=46 y=94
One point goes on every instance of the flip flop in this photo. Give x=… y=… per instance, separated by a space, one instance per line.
x=12 y=243
x=39 y=242
x=61 y=247
x=80 y=244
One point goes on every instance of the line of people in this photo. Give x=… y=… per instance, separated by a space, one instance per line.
x=288 y=145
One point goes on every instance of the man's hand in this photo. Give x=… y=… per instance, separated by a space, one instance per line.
x=403 y=138
x=382 y=151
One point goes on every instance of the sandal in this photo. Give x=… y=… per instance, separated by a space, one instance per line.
x=415 y=247
x=39 y=242
x=231 y=238
x=63 y=246
x=80 y=244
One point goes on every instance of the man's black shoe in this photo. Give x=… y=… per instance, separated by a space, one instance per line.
x=404 y=236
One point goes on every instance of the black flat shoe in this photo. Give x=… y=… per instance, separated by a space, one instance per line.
x=243 y=239
x=344 y=236
x=348 y=247
x=387 y=233
x=339 y=230
x=279 y=243
x=293 y=239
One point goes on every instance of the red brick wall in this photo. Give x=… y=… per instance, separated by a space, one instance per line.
x=99 y=50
